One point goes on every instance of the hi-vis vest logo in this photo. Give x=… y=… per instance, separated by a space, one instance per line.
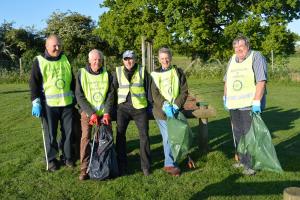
x=98 y=97
x=60 y=84
x=237 y=85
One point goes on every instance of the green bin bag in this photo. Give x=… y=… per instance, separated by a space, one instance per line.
x=180 y=136
x=258 y=143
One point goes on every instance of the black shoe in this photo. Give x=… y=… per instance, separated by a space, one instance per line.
x=70 y=164
x=52 y=166
x=146 y=172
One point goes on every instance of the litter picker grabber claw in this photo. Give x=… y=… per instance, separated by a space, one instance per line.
x=44 y=142
x=236 y=156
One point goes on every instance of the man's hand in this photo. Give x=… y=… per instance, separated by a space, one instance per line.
x=94 y=119
x=256 y=106
x=36 y=108
x=106 y=119
x=224 y=102
x=168 y=110
x=175 y=109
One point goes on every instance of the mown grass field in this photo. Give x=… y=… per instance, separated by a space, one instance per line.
x=23 y=175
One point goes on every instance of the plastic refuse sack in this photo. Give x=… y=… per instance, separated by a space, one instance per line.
x=103 y=162
x=180 y=136
x=258 y=143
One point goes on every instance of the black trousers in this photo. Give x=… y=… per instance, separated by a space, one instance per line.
x=124 y=115
x=241 y=123
x=51 y=117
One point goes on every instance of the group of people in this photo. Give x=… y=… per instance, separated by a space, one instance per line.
x=133 y=93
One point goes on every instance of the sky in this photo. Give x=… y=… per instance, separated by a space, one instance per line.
x=25 y=13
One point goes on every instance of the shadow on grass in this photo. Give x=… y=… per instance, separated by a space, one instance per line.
x=276 y=119
x=220 y=137
x=230 y=188
x=14 y=91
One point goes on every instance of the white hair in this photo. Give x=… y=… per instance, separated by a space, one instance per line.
x=96 y=51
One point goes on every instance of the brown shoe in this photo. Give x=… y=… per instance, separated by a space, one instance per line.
x=174 y=171
x=83 y=175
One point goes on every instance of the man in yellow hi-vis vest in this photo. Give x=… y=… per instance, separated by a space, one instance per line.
x=95 y=96
x=52 y=87
x=169 y=90
x=132 y=83
x=244 y=92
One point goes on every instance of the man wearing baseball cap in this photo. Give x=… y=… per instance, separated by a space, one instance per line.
x=132 y=83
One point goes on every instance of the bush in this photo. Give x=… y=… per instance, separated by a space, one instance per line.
x=13 y=76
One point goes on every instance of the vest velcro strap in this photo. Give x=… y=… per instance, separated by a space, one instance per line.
x=56 y=96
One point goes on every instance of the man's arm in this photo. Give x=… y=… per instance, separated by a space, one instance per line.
x=110 y=96
x=35 y=81
x=260 y=90
x=183 y=89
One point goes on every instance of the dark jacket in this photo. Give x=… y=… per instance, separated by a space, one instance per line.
x=129 y=74
x=159 y=99
x=36 y=78
x=81 y=99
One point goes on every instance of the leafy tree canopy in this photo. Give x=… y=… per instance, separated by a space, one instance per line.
x=200 y=28
x=76 y=33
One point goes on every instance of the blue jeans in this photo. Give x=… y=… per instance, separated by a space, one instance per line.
x=169 y=160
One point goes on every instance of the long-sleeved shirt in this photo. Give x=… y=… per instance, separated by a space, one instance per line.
x=36 y=78
x=82 y=100
x=159 y=99
x=129 y=74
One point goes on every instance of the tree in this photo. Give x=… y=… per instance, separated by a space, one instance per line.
x=199 y=28
x=75 y=31
x=15 y=42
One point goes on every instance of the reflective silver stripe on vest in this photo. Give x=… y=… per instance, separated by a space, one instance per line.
x=136 y=95
x=98 y=107
x=56 y=96
x=139 y=95
x=121 y=96
x=134 y=84
x=244 y=96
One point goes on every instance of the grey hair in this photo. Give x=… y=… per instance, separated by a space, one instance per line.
x=51 y=36
x=241 y=38
x=165 y=50
x=98 y=52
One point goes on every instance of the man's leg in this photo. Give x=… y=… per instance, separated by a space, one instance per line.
x=169 y=160
x=241 y=122
x=123 y=119
x=85 y=149
x=141 y=120
x=66 y=127
x=50 y=119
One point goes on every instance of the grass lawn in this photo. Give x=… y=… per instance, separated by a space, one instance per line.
x=23 y=175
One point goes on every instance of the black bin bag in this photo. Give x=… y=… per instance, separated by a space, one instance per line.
x=103 y=161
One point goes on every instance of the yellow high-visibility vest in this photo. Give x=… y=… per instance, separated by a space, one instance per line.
x=167 y=84
x=135 y=87
x=240 y=83
x=57 y=77
x=95 y=89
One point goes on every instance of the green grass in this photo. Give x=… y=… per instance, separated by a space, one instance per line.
x=23 y=175
x=294 y=62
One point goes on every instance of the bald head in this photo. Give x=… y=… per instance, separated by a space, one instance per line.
x=53 y=45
